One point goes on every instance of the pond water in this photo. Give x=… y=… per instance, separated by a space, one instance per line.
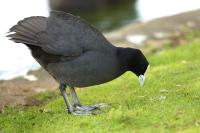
x=110 y=18
x=15 y=59
x=139 y=10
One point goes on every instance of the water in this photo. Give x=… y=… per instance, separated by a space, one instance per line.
x=110 y=18
x=15 y=59
x=142 y=10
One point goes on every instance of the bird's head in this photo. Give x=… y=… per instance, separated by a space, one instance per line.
x=139 y=65
x=134 y=60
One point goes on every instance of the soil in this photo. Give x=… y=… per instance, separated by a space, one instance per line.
x=18 y=91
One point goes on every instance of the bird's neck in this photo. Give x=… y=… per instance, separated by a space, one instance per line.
x=125 y=58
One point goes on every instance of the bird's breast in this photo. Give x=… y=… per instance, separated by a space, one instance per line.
x=92 y=68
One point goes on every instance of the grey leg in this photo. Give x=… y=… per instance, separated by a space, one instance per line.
x=68 y=104
x=66 y=99
x=75 y=97
x=78 y=105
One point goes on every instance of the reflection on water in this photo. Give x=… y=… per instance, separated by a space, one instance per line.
x=110 y=18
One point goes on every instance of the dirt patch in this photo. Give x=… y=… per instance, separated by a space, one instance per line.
x=19 y=90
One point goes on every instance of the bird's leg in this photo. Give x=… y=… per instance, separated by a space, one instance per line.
x=75 y=97
x=78 y=105
x=68 y=104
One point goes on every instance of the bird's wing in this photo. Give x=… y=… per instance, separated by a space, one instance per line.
x=72 y=36
x=60 y=34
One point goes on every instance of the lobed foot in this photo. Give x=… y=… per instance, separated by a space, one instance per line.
x=86 y=108
x=82 y=113
x=92 y=107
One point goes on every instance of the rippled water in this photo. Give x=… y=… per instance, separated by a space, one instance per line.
x=15 y=59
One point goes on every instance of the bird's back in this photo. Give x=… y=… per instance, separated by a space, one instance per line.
x=60 y=34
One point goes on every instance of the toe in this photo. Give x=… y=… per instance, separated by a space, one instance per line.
x=81 y=113
x=86 y=108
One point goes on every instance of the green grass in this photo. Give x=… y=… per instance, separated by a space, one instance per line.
x=169 y=102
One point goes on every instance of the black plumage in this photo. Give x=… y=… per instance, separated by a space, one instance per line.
x=75 y=53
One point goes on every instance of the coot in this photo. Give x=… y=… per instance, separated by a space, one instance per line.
x=75 y=53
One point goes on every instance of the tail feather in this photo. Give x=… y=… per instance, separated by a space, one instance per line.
x=30 y=25
x=26 y=30
x=23 y=41
x=21 y=30
x=38 y=21
x=21 y=37
x=34 y=22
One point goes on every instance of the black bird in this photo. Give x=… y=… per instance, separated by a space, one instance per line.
x=75 y=53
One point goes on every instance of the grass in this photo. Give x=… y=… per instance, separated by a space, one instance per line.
x=169 y=102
